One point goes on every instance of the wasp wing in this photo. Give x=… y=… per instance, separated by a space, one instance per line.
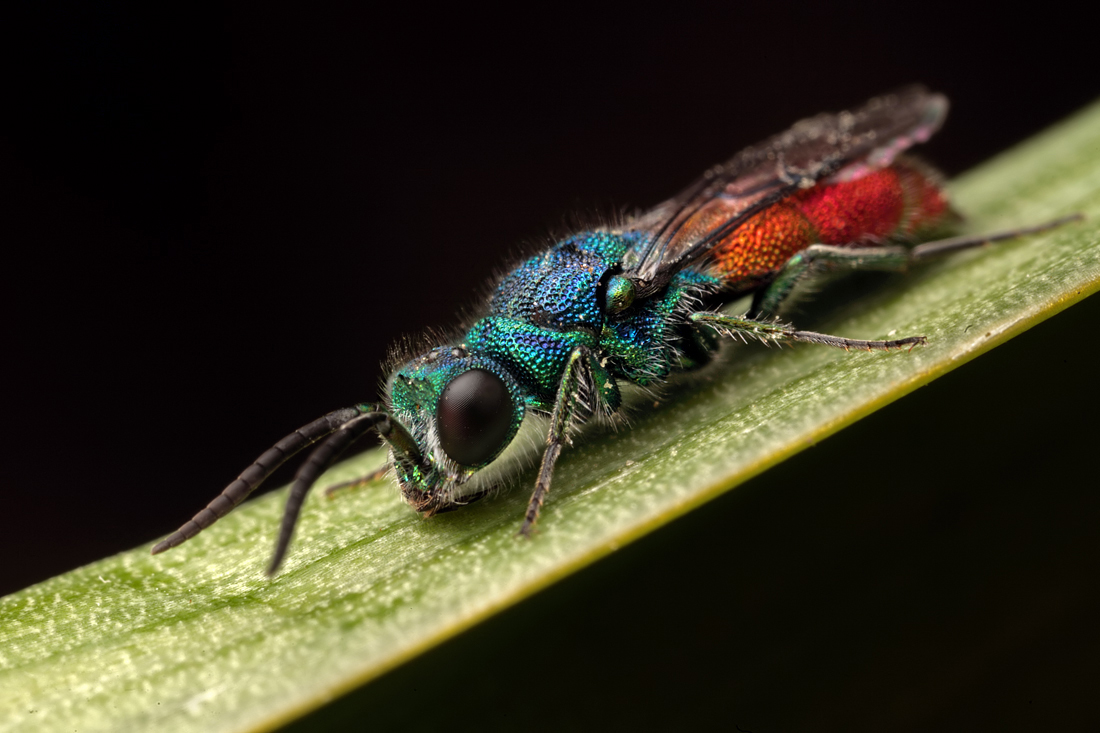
x=844 y=144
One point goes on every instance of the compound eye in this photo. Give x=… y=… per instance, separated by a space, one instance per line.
x=474 y=417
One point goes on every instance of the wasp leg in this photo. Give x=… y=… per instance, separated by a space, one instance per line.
x=428 y=505
x=768 y=332
x=940 y=247
x=442 y=506
x=251 y=478
x=356 y=483
x=820 y=258
x=580 y=371
x=823 y=258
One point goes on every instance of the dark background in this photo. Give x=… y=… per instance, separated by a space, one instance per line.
x=215 y=223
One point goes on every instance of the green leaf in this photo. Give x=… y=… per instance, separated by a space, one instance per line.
x=199 y=638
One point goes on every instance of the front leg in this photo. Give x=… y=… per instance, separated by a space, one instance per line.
x=582 y=372
x=357 y=483
x=429 y=506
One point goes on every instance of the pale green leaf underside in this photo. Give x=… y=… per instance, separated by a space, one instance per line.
x=199 y=639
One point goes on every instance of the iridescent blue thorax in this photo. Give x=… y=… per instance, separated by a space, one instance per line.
x=555 y=302
x=538 y=316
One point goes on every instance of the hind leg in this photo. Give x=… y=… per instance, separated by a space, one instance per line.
x=820 y=258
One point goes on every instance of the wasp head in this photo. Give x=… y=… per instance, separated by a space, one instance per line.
x=460 y=411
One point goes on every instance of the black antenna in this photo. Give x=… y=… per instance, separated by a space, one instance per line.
x=319 y=461
x=251 y=478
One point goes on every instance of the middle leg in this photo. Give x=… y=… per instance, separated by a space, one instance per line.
x=768 y=332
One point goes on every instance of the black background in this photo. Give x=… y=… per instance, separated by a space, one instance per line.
x=216 y=222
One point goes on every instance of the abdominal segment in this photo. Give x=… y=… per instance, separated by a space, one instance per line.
x=902 y=202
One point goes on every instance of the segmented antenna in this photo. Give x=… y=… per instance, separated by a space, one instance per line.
x=251 y=478
x=319 y=461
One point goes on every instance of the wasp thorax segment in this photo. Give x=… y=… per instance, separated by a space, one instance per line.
x=619 y=296
x=474 y=417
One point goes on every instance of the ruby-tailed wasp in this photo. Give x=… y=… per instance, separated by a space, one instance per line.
x=633 y=302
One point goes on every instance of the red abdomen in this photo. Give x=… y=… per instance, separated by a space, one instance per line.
x=900 y=202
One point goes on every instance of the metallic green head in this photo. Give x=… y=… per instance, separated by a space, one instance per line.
x=462 y=410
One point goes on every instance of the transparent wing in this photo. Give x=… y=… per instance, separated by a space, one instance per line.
x=844 y=144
